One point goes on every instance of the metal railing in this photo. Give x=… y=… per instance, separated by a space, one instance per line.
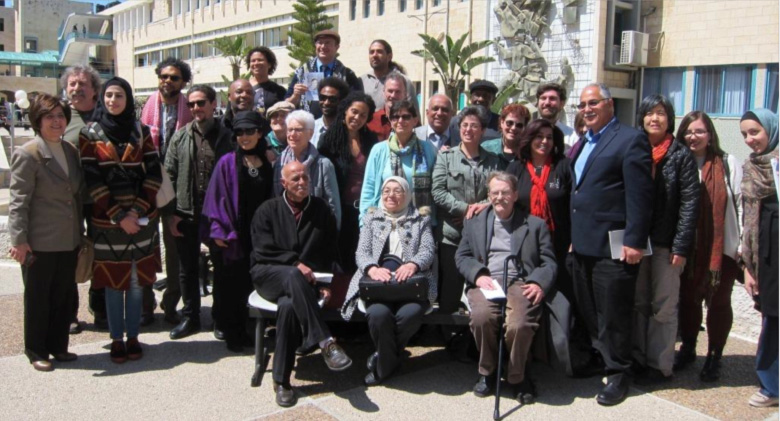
x=73 y=35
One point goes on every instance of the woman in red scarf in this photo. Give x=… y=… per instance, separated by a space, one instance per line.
x=672 y=233
x=544 y=182
x=712 y=268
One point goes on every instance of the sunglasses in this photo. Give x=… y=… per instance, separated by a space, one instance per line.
x=592 y=103
x=173 y=78
x=404 y=117
x=511 y=123
x=200 y=103
x=244 y=132
x=328 y=98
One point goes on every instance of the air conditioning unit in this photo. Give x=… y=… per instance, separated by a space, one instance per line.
x=633 y=49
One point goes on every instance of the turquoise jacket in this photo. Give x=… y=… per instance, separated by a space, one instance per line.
x=378 y=169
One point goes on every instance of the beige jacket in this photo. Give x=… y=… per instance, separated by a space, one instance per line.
x=45 y=208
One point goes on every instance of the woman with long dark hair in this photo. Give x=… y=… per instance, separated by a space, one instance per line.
x=241 y=182
x=123 y=174
x=712 y=267
x=347 y=144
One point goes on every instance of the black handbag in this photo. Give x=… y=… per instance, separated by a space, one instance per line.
x=413 y=289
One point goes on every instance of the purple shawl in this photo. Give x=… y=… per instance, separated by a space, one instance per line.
x=220 y=209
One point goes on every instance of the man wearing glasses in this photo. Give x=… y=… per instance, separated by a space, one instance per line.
x=331 y=91
x=323 y=65
x=395 y=90
x=613 y=191
x=166 y=112
x=192 y=153
x=438 y=115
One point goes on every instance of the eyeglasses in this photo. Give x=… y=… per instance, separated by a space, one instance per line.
x=404 y=117
x=244 y=132
x=499 y=193
x=328 y=98
x=173 y=78
x=592 y=103
x=200 y=103
x=695 y=133
x=511 y=123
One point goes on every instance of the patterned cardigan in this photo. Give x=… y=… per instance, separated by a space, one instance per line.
x=417 y=247
x=120 y=183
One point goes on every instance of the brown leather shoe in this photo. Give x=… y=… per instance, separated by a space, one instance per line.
x=42 y=365
x=66 y=357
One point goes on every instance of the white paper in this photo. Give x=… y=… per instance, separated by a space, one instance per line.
x=496 y=294
x=143 y=221
x=323 y=278
x=312 y=81
x=616 y=244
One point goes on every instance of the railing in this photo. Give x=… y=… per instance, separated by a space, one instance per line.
x=81 y=35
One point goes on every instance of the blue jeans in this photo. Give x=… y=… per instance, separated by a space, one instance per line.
x=123 y=308
x=766 y=357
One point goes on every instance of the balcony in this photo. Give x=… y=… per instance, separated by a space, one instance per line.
x=79 y=33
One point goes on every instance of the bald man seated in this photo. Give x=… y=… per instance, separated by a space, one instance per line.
x=293 y=236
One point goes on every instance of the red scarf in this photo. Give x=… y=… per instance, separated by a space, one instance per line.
x=540 y=206
x=659 y=151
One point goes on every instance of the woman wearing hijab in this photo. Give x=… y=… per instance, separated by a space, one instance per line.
x=712 y=267
x=123 y=173
x=347 y=144
x=241 y=182
x=760 y=241
x=323 y=184
x=395 y=229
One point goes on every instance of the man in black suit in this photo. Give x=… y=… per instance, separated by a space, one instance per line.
x=612 y=191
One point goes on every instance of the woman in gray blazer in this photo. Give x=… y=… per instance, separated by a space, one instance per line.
x=44 y=225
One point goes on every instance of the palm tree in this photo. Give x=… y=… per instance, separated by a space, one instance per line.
x=235 y=49
x=453 y=61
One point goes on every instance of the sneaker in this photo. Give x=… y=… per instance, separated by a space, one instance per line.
x=134 y=351
x=759 y=400
x=335 y=357
x=118 y=352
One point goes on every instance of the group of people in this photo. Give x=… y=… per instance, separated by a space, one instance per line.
x=611 y=236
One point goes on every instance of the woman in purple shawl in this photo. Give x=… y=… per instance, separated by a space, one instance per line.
x=241 y=182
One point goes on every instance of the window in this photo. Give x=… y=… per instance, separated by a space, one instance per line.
x=31 y=45
x=154 y=58
x=667 y=82
x=621 y=16
x=771 y=99
x=381 y=7
x=2 y=47
x=401 y=6
x=434 y=87
x=2 y=24
x=723 y=90
x=352 y=9
x=366 y=8
x=141 y=60
x=418 y=4
x=436 y=3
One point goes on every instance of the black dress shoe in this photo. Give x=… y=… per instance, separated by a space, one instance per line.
x=371 y=363
x=525 y=392
x=285 y=395
x=147 y=319
x=684 y=357
x=372 y=379
x=218 y=333
x=75 y=328
x=615 y=391
x=335 y=357
x=66 y=357
x=302 y=350
x=484 y=386
x=160 y=284
x=186 y=328
x=711 y=370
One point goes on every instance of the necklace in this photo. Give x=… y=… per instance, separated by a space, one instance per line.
x=253 y=171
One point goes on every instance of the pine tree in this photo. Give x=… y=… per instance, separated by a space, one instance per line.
x=311 y=18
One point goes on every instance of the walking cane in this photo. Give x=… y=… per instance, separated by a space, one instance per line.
x=501 y=335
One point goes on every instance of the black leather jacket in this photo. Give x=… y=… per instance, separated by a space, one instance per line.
x=675 y=201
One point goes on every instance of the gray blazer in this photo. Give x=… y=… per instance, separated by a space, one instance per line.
x=45 y=208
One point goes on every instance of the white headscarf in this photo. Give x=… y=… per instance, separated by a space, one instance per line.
x=407 y=199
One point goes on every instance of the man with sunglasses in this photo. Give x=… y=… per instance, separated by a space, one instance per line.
x=323 y=65
x=395 y=90
x=613 y=190
x=331 y=91
x=192 y=154
x=165 y=112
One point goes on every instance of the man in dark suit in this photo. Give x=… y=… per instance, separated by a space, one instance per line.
x=612 y=191
x=502 y=230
